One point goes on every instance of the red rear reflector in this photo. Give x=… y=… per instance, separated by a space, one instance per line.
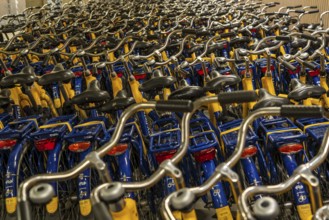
x=161 y=156
x=205 y=155
x=45 y=144
x=119 y=74
x=118 y=149
x=79 y=146
x=249 y=151
x=7 y=144
x=313 y=73
x=140 y=76
x=291 y=148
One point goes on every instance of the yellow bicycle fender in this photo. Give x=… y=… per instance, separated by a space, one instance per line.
x=50 y=104
x=166 y=93
x=304 y=211
x=14 y=95
x=212 y=108
x=307 y=102
x=128 y=213
x=52 y=206
x=302 y=79
x=268 y=84
x=111 y=56
x=36 y=96
x=177 y=215
x=164 y=56
x=116 y=85
x=11 y=204
x=323 y=83
x=89 y=79
x=190 y=215
x=224 y=213
x=85 y=207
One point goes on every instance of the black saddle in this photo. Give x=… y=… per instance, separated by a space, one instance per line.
x=92 y=95
x=219 y=81
x=120 y=102
x=268 y=100
x=25 y=77
x=157 y=82
x=187 y=92
x=300 y=91
x=58 y=74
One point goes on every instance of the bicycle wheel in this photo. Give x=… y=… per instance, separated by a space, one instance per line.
x=67 y=190
x=144 y=199
x=30 y=163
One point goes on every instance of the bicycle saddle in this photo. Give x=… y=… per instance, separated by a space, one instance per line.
x=93 y=94
x=121 y=101
x=187 y=92
x=25 y=77
x=300 y=91
x=158 y=81
x=219 y=81
x=58 y=74
x=268 y=100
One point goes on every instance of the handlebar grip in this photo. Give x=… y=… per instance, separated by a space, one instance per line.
x=310 y=65
x=189 y=31
x=283 y=38
x=237 y=97
x=296 y=6
x=276 y=3
x=313 y=11
x=288 y=65
x=174 y=106
x=313 y=6
x=101 y=211
x=202 y=33
x=301 y=111
x=283 y=14
x=309 y=37
x=300 y=11
x=270 y=5
x=229 y=34
x=269 y=13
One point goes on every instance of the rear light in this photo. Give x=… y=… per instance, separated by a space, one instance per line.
x=263 y=69
x=118 y=149
x=205 y=155
x=78 y=73
x=45 y=144
x=313 y=73
x=120 y=74
x=291 y=148
x=140 y=76
x=200 y=72
x=294 y=71
x=161 y=156
x=79 y=146
x=249 y=151
x=7 y=144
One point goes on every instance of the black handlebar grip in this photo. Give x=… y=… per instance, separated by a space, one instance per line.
x=313 y=6
x=310 y=65
x=283 y=14
x=313 y=11
x=202 y=33
x=188 y=31
x=301 y=111
x=288 y=65
x=269 y=13
x=283 y=38
x=174 y=106
x=229 y=34
x=296 y=6
x=237 y=97
x=309 y=37
x=276 y=3
x=300 y=11
x=101 y=211
x=271 y=5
